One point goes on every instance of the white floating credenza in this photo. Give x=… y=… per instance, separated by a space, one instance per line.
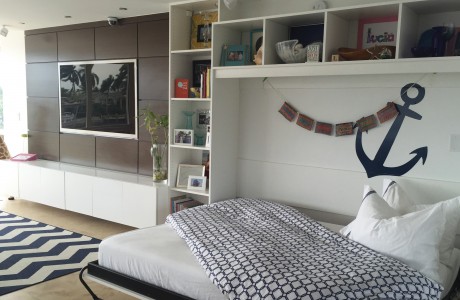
x=125 y=198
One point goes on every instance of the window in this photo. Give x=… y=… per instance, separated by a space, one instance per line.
x=1 y=108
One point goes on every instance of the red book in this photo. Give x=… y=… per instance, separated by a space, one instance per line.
x=181 y=88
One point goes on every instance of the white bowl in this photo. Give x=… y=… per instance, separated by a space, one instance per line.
x=291 y=51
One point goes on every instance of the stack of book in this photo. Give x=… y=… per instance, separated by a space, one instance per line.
x=183 y=202
x=205 y=82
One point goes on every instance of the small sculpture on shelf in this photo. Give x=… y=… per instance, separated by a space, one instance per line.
x=157 y=127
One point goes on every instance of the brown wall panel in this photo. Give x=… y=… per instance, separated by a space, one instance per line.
x=41 y=47
x=76 y=45
x=45 y=144
x=153 y=78
x=43 y=114
x=78 y=149
x=116 y=154
x=95 y=41
x=42 y=80
x=153 y=38
x=145 y=159
x=116 y=42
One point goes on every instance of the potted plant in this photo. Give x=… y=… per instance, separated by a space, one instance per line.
x=157 y=127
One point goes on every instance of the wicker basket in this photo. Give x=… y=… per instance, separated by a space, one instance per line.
x=376 y=52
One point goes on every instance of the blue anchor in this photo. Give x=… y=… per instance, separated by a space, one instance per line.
x=375 y=167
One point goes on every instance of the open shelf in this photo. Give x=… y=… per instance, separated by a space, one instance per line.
x=449 y=64
x=192 y=192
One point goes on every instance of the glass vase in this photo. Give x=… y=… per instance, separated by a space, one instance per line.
x=159 y=153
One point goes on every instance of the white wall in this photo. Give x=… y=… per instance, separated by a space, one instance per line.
x=13 y=83
x=281 y=161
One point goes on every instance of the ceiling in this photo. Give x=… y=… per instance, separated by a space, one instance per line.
x=34 y=14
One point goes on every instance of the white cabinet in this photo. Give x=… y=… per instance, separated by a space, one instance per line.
x=79 y=193
x=124 y=198
x=42 y=185
x=107 y=198
x=8 y=179
x=52 y=188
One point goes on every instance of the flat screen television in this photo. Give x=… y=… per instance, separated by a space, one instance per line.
x=99 y=98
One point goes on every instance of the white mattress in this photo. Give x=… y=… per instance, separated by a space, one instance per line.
x=159 y=256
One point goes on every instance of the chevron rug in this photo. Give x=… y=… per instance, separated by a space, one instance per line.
x=32 y=252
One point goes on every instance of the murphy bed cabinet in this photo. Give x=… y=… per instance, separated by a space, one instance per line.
x=276 y=18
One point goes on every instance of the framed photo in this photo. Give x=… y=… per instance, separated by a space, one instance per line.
x=183 y=137
x=202 y=29
x=185 y=171
x=377 y=31
x=203 y=118
x=255 y=41
x=199 y=66
x=208 y=136
x=196 y=183
x=235 y=55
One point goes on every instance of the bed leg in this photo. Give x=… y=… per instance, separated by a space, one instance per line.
x=86 y=285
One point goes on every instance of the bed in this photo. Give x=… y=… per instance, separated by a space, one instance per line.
x=157 y=262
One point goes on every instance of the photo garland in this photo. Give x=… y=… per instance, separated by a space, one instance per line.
x=364 y=124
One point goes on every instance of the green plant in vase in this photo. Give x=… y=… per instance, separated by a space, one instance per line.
x=157 y=127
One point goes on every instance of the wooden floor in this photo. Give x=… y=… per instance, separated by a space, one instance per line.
x=65 y=287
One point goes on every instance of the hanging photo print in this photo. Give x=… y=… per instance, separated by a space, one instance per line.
x=288 y=112
x=305 y=122
x=387 y=113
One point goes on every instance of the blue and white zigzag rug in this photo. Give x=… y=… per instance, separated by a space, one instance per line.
x=32 y=252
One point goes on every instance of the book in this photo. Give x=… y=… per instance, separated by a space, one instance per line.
x=181 y=88
x=174 y=200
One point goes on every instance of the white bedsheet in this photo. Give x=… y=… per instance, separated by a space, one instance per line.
x=159 y=256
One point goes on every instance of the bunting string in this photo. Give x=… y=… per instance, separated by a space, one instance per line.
x=364 y=124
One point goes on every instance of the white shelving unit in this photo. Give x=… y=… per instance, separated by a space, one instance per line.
x=223 y=110
x=276 y=18
x=340 y=30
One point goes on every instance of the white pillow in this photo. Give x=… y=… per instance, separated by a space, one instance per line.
x=372 y=206
x=395 y=196
x=413 y=238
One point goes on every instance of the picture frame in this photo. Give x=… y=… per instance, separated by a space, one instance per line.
x=235 y=55
x=183 y=137
x=256 y=41
x=199 y=66
x=203 y=118
x=377 y=31
x=201 y=32
x=196 y=183
x=208 y=136
x=184 y=171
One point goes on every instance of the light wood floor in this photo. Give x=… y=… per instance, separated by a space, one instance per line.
x=66 y=287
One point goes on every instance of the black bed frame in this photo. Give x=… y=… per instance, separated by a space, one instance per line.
x=129 y=283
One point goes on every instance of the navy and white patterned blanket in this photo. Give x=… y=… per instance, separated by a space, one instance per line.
x=255 y=249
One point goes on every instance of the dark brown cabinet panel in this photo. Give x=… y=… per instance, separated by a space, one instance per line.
x=153 y=78
x=41 y=47
x=116 y=154
x=42 y=80
x=76 y=45
x=45 y=144
x=153 y=38
x=43 y=114
x=116 y=42
x=143 y=38
x=78 y=149
x=145 y=159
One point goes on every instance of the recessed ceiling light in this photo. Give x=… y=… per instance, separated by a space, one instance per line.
x=123 y=8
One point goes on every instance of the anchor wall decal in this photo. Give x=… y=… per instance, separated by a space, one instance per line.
x=376 y=166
